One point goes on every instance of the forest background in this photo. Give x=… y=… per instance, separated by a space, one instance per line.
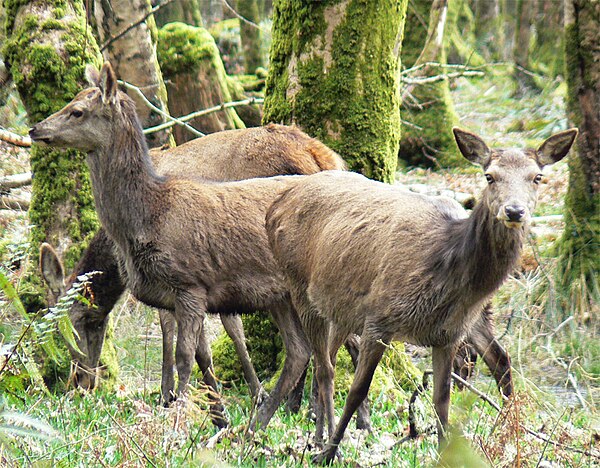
x=382 y=83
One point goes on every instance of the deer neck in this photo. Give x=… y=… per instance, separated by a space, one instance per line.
x=124 y=183
x=476 y=254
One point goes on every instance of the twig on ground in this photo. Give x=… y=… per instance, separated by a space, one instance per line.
x=175 y=120
x=14 y=139
x=14 y=203
x=200 y=113
x=134 y=24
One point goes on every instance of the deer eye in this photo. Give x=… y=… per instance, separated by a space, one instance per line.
x=489 y=178
x=76 y=113
x=537 y=179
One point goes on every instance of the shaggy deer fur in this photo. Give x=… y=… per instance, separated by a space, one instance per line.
x=191 y=246
x=393 y=265
x=229 y=155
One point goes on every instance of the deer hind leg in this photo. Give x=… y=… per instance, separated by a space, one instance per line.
x=442 y=369
x=235 y=329
x=493 y=354
x=297 y=355
x=167 y=385
x=363 y=414
x=371 y=350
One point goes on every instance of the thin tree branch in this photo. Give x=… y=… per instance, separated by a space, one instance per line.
x=200 y=113
x=134 y=24
x=15 y=181
x=14 y=203
x=160 y=111
x=15 y=139
x=443 y=76
x=241 y=18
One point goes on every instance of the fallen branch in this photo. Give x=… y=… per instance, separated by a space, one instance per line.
x=14 y=203
x=15 y=181
x=200 y=113
x=441 y=77
x=15 y=139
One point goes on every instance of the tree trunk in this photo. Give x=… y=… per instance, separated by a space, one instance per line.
x=579 y=261
x=489 y=29
x=460 y=33
x=524 y=79
x=191 y=63
x=250 y=35
x=428 y=106
x=48 y=47
x=549 y=39
x=133 y=57
x=184 y=11
x=334 y=72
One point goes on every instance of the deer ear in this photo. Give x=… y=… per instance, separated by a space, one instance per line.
x=556 y=147
x=52 y=269
x=92 y=75
x=108 y=84
x=472 y=147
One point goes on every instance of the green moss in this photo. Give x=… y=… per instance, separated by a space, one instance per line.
x=347 y=97
x=181 y=48
x=109 y=360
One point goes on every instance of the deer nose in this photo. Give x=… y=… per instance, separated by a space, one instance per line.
x=514 y=213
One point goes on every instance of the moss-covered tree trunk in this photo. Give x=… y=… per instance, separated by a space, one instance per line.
x=47 y=50
x=191 y=63
x=184 y=11
x=250 y=34
x=580 y=244
x=334 y=72
x=48 y=46
x=133 y=56
x=489 y=29
x=428 y=106
x=460 y=34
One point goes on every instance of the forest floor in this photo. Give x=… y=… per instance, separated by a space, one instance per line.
x=552 y=421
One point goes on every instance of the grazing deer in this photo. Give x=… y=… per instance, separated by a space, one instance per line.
x=191 y=246
x=394 y=265
x=228 y=155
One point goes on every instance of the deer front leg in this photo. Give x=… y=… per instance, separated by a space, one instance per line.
x=235 y=329
x=363 y=414
x=190 y=311
x=442 y=359
x=167 y=385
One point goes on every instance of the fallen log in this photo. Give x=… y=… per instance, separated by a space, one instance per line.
x=15 y=181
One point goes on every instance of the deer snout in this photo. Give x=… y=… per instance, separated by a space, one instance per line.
x=36 y=135
x=84 y=378
x=513 y=215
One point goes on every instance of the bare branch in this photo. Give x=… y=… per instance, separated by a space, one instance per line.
x=14 y=139
x=160 y=111
x=15 y=181
x=200 y=113
x=14 y=203
x=241 y=18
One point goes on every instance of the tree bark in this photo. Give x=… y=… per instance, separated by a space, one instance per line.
x=488 y=29
x=579 y=260
x=191 y=63
x=524 y=80
x=133 y=57
x=334 y=72
x=250 y=35
x=48 y=46
x=428 y=107
x=184 y=11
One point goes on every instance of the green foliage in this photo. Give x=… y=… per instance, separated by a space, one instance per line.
x=37 y=336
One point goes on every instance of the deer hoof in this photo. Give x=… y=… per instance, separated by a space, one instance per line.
x=326 y=457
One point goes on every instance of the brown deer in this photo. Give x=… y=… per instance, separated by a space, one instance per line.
x=229 y=155
x=191 y=246
x=393 y=265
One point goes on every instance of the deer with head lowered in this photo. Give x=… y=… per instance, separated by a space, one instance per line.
x=224 y=156
x=393 y=265
x=188 y=245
